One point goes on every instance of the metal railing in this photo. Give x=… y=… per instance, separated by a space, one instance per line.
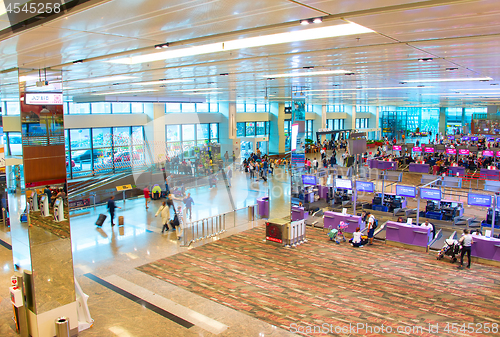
x=212 y=226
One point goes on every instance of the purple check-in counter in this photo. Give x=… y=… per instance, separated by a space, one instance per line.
x=263 y=207
x=486 y=248
x=383 y=165
x=298 y=213
x=490 y=174
x=402 y=234
x=457 y=169
x=333 y=219
x=322 y=191
x=419 y=168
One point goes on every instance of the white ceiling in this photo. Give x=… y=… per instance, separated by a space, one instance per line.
x=455 y=34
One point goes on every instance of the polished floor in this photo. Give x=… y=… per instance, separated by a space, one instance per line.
x=125 y=302
x=192 y=293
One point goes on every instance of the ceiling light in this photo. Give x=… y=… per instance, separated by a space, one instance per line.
x=107 y=79
x=78 y=62
x=451 y=69
x=224 y=74
x=309 y=73
x=465 y=79
x=161 y=46
x=349 y=74
x=308 y=67
x=304 y=22
x=494 y=84
x=196 y=89
x=427 y=59
x=317 y=20
x=123 y=92
x=161 y=82
x=257 y=41
x=485 y=80
x=402 y=82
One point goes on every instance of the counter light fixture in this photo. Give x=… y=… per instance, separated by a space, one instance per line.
x=250 y=42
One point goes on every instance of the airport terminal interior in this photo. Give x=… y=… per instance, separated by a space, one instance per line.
x=249 y=168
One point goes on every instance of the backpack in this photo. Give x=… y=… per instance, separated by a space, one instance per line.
x=375 y=224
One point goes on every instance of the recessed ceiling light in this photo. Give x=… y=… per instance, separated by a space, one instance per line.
x=78 y=62
x=161 y=46
x=494 y=84
x=304 y=22
x=349 y=74
x=465 y=79
x=107 y=79
x=224 y=74
x=451 y=69
x=308 y=67
x=257 y=41
x=427 y=59
x=485 y=80
x=309 y=73
x=123 y=92
x=318 y=20
x=164 y=81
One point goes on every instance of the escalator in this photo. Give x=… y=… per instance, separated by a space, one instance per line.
x=441 y=236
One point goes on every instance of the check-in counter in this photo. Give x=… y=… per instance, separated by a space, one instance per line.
x=419 y=168
x=333 y=219
x=323 y=192
x=487 y=250
x=298 y=213
x=407 y=236
x=263 y=207
x=490 y=174
x=457 y=169
x=384 y=165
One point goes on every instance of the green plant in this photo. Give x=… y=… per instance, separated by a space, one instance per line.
x=309 y=141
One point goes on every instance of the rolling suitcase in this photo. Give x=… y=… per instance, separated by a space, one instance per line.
x=120 y=221
x=100 y=219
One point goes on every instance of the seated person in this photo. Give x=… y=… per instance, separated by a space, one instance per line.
x=400 y=220
x=356 y=240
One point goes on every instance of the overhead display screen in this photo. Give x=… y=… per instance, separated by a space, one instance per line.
x=482 y=200
x=406 y=191
x=429 y=150
x=451 y=151
x=464 y=152
x=308 y=180
x=430 y=194
x=364 y=186
x=396 y=148
x=488 y=153
x=417 y=149
x=343 y=184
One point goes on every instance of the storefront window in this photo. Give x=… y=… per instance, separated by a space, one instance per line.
x=214 y=132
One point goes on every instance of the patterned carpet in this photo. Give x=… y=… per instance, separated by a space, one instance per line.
x=327 y=286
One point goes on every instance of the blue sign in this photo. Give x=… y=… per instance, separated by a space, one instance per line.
x=497 y=140
x=451 y=137
x=482 y=200
x=465 y=138
x=430 y=194
x=474 y=139
x=364 y=186
x=308 y=180
x=406 y=191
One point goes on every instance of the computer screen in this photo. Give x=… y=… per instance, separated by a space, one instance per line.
x=451 y=151
x=417 y=149
x=56 y=203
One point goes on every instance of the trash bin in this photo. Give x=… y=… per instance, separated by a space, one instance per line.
x=62 y=327
x=251 y=213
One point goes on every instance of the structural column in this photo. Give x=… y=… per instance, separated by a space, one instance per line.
x=40 y=226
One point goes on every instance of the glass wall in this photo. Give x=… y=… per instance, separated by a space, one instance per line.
x=309 y=130
x=288 y=132
x=184 y=140
x=13 y=144
x=103 y=108
x=241 y=107
x=191 y=107
x=362 y=123
x=103 y=150
x=335 y=108
x=252 y=129
x=335 y=124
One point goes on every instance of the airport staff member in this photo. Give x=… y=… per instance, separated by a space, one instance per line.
x=427 y=224
x=466 y=241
